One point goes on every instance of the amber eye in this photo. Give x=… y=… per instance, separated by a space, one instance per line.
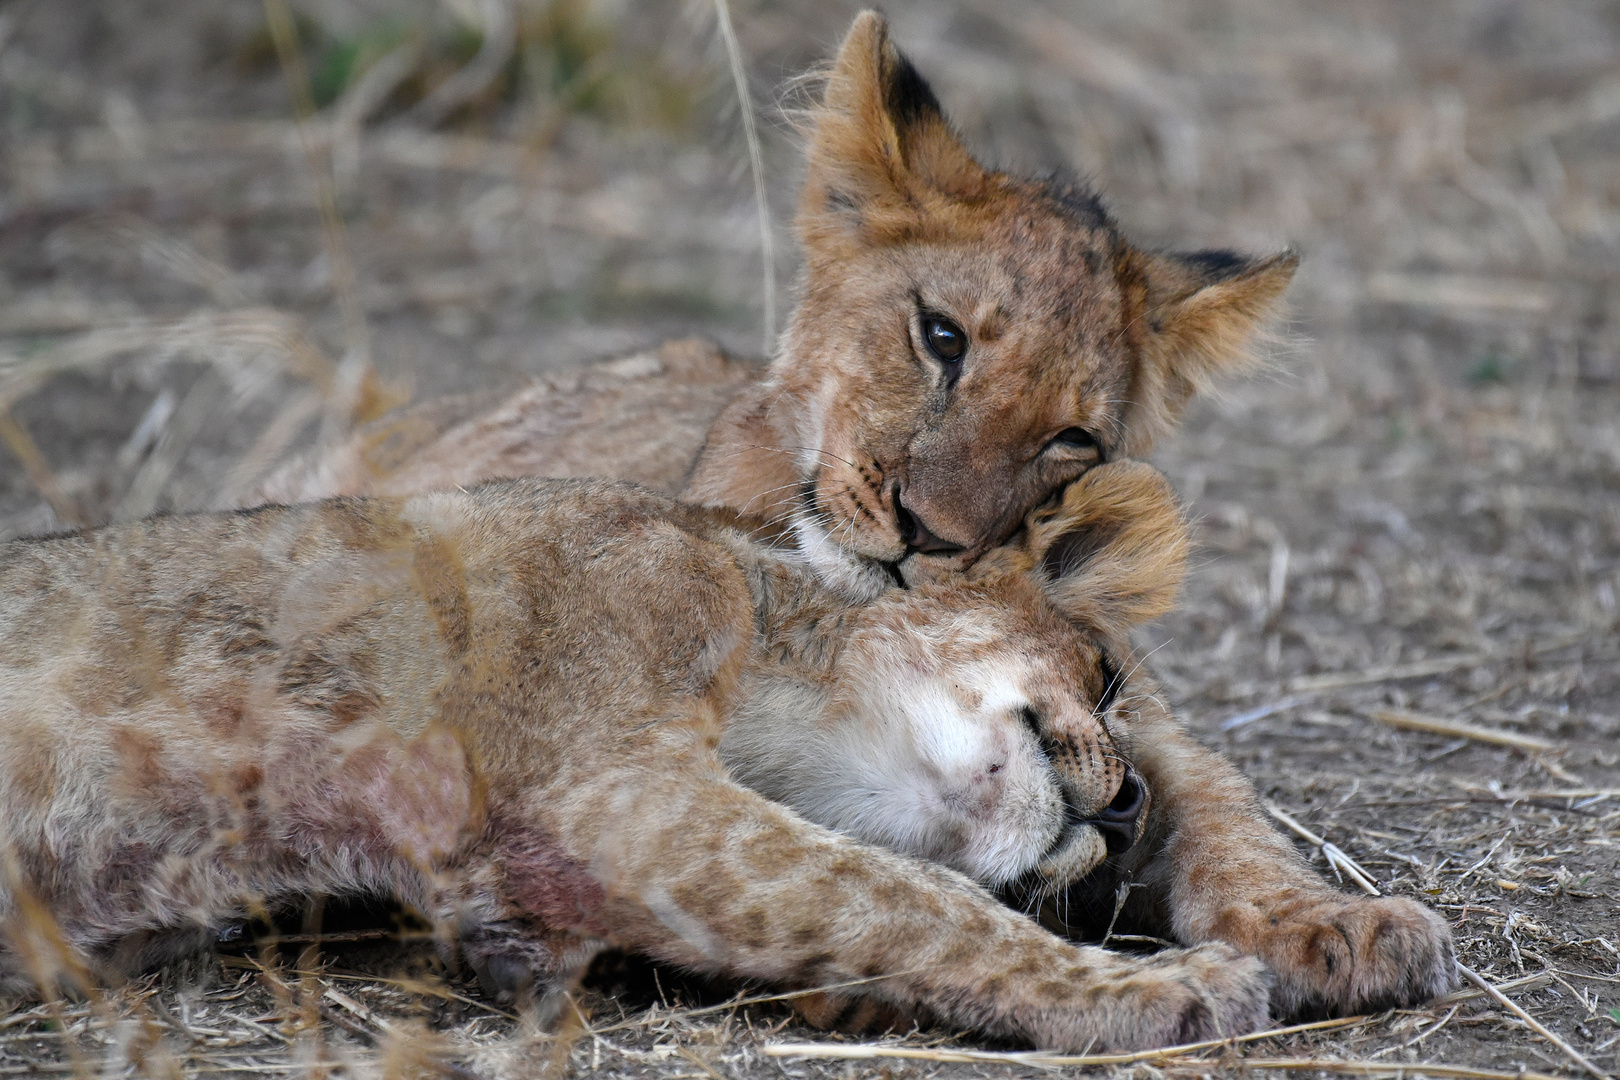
x=1077 y=438
x=944 y=338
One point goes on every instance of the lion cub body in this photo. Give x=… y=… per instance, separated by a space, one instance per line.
x=641 y=418
x=507 y=706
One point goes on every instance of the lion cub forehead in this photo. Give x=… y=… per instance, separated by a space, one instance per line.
x=994 y=647
x=1021 y=268
x=997 y=684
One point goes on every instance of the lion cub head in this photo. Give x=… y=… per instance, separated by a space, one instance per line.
x=967 y=342
x=971 y=720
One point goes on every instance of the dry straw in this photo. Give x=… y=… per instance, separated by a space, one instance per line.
x=1531 y=1022
x=756 y=164
x=1411 y=721
x=1335 y=856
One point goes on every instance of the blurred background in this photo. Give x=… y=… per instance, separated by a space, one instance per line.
x=214 y=216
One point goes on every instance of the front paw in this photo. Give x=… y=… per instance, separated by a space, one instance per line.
x=1341 y=955
x=1227 y=994
x=849 y=1014
x=1175 y=997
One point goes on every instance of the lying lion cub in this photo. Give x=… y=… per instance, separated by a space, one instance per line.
x=514 y=708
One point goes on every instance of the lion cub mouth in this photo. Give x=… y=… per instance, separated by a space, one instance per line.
x=1083 y=845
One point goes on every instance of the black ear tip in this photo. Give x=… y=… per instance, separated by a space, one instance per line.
x=908 y=96
x=1220 y=264
x=1217 y=264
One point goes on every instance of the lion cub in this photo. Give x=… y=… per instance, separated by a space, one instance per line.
x=964 y=343
x=513 y=707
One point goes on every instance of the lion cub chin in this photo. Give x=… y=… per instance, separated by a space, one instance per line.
x=512 y=708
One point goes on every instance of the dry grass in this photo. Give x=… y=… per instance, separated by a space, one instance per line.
x=1415 y=516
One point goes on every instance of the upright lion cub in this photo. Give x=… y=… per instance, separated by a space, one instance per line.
x=965 y=342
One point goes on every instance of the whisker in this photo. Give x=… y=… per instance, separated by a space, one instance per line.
x=1121 y=680
x=768 y=492
x=788 y=451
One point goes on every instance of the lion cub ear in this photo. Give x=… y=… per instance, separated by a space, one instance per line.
x=880 y=147
x=1112 y=551
x=1194 y=317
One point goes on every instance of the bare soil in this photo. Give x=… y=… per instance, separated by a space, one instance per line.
x=1413 y=516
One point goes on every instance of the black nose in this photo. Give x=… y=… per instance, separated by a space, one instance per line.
x=915 y=535
x=1117 y=821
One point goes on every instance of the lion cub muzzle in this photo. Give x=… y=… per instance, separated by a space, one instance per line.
x=1120 y=822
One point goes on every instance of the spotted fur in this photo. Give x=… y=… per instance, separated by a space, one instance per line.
x=513 y=708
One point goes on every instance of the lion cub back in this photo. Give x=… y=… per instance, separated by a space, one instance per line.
x=641 y=418
x=325 y=698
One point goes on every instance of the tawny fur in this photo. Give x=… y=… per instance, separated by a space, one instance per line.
x=1069 y=326
x=1210 y=867
x=641 y=417
x=507 y=707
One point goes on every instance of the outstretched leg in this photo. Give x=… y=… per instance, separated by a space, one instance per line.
x=1212 y=868
x=682 y=864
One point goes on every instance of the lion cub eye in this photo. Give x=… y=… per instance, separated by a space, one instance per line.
x=1077 y=438
x=944 y=339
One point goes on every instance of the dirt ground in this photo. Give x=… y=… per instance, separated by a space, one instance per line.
x=1410 y=522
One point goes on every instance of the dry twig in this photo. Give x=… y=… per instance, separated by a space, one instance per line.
x=1042 y=1058
x=40 y=474
x=756 y=163
x=1531 y=1022
x=499 y=33
x=1410 y=721
x=1333 y=853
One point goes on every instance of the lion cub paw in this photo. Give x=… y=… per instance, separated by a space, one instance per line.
x=851 y=1014
x=1343 y=954
x=1181 y=996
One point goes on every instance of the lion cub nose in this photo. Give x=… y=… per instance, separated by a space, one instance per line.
x=1118 y=820
x=917 y=536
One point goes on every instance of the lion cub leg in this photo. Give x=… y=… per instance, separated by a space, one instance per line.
x=1221 y=872
x=697 y=871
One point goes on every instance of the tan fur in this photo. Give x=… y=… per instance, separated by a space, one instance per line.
x=1210 y=866
x=639 y=417
x=507 y=707
x=1069 y=326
